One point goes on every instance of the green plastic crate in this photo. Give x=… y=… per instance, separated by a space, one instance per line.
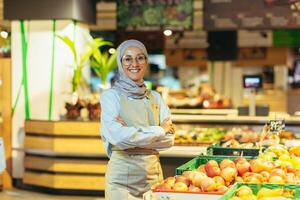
x=195 y=162
x=217 y=149
x=256 y=187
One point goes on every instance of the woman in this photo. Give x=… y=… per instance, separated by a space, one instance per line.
x=135 y=124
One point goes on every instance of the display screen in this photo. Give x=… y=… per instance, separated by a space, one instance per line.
x=252 y=81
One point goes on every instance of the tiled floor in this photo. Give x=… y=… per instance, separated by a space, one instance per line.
x=29 y=195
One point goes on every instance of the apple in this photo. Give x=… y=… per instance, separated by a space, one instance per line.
x=170 y=181
x=182 y=179
x=229 y=174
x=219 y=181
x=251 y=179
x=291 y=178
x=276 y=180
x=239 y=179
x=193 y=188
x=189 y=174
x=197 y=178
x=180 y=186
x=163 y=187
x=201 y=168
x=242 y=167
x=244 y=191
x=256 y=165
x=213 y=163
x=268 y=166
x=222 y=189
x=212 y=170
x=226 y=163
x=208 y=184
x=266 y=176
x=278 y=172
x=240 y=159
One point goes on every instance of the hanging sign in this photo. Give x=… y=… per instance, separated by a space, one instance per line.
x=153 y=14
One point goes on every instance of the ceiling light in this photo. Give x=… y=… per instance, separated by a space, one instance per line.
x=111 y=50
x=167 y=32
x=4 y=34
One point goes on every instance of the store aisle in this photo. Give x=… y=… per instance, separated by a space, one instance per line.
x=29 y=195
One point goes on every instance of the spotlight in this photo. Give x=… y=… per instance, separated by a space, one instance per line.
x=167 y=32
x=4 y=34
x=111 y=50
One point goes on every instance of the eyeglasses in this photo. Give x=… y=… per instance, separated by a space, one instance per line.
x=128 y=60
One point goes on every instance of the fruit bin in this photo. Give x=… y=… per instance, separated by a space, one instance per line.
x=181 y=196
x=256 y=187
x=195 y=162
x=217 y=149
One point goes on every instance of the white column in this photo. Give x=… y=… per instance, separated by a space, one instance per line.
x=39 y=38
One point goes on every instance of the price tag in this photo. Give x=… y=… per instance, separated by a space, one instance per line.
x=277 y=125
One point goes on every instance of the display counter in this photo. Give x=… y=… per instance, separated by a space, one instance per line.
x=70 y=154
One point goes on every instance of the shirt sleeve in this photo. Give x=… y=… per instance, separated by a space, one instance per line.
x=121 y=136
x=168 y=140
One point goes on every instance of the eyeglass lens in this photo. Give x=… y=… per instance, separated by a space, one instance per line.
x=128 y=60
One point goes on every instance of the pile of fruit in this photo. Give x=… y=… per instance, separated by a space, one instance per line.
x=277 y=165
x=246 y=193
x=196 y=136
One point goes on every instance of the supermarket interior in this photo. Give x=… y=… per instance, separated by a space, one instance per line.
x=150 y=100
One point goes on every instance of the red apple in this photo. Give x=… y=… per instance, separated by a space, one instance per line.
x=212 y=170
x=240 y=159
x=242 y=167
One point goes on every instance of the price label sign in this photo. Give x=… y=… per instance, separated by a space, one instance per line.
x=277 y=125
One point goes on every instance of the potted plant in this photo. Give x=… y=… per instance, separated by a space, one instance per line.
x=102 y=63
x=75 y=104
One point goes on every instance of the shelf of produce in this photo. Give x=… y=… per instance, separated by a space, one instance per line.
x=230 y=119
x=221 y=112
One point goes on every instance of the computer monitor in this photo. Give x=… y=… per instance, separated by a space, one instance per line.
x=252 y=81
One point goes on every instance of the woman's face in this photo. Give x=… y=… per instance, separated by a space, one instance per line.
x=134 y=63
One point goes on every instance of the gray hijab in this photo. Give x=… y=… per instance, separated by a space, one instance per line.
x=124 y=84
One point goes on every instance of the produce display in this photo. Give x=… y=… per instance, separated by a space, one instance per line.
x=262 y=192
x=277 y=165
x=188 y=135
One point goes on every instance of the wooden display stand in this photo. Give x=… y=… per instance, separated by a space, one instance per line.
x=5 y=119
x=64 y=155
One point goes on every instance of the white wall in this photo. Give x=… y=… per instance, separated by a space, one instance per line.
x=39 y=39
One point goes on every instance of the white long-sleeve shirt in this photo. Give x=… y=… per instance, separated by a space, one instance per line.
x=114 y=133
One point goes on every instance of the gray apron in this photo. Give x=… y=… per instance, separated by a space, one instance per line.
x=130 y=173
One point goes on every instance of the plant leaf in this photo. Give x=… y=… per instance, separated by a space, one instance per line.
x=70 y=44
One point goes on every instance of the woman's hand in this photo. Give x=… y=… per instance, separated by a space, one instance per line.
x=121 y=120
x=168 y=126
